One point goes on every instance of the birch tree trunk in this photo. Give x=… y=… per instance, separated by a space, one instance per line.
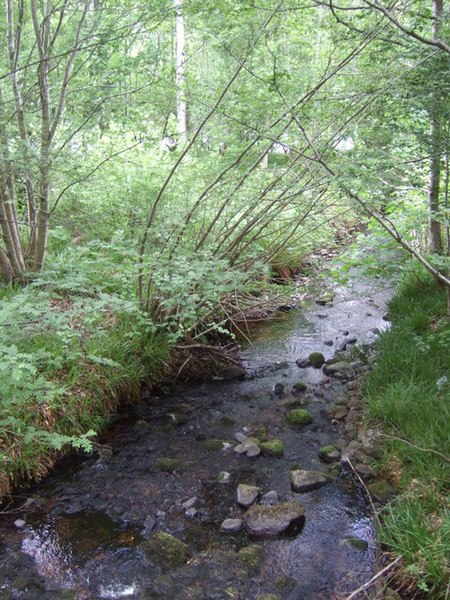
x=436 y=148
x=180 y=72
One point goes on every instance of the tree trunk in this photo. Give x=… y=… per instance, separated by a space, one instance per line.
x=436 y=149
x=180 y=72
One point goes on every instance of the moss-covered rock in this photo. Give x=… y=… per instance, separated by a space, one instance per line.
x=381 y=491
x=299 y=387
x=164 y=550
x=261 y=433
x=273 y=448
x=251 y=555
x=213 y=444
x=329 y=453
x=168 y=465
x=299 y=416
x=357 y=543
x=317 y=359
x=227 y=421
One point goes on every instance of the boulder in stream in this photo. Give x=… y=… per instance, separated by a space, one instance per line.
x=164 y=550
x=267 y=521
x=305 y=481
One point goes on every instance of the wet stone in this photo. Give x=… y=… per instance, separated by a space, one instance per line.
x=189 y=503
x=273 y=520
x=305 y=481
x=247 y=494
x=231 y=525
x=381 y=491
x=270 y=498
x=303 y=363
x=329 y=453
x=357 y=543
x=337 y=412
x=365 y=471
x=253 y=452
x=224 y=477
x=340 y=369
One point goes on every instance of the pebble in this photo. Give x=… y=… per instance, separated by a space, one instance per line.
x=20 y=523
x=189 y=503
x=247 y=494
x=231 y=525
x=191 y=513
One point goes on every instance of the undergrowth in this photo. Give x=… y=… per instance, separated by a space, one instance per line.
x=409 y=394
x=72 y=345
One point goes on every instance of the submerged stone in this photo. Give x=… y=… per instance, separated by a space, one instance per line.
x=273 y=520
x=337 y=412
x=168 y=465
x=316 y=359
x=298 y=387
x=164 y=550
x=340 y=369
x=251 y=555
x=357 y=543
x=273 y=448
x=299 y=416
x=303 y=363
x=305 y=481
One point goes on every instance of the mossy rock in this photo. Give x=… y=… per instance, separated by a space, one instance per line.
x=317 y=359
x=299 y=416
x=213 y=444
x=381 y=491
x=251 y=556
x=164 y=550
x=261 y=434
x=269 y=597
x=299 y=387
x=295 y=403
x=285 y=583
x=329 y=453
x=168 y=465
x=273 y=448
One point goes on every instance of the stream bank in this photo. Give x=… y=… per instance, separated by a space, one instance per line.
x=146 y=517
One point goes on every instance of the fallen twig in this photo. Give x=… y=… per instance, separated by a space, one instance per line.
x=393 y=437
x=374 y=578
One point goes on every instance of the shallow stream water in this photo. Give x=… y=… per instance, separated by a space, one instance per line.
x=83 y=526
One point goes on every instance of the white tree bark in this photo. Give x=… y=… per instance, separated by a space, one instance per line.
x=180 y=72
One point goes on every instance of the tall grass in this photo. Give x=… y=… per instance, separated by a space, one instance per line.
x=408 y=393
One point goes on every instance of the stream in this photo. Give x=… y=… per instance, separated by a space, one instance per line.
x=172 y=465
